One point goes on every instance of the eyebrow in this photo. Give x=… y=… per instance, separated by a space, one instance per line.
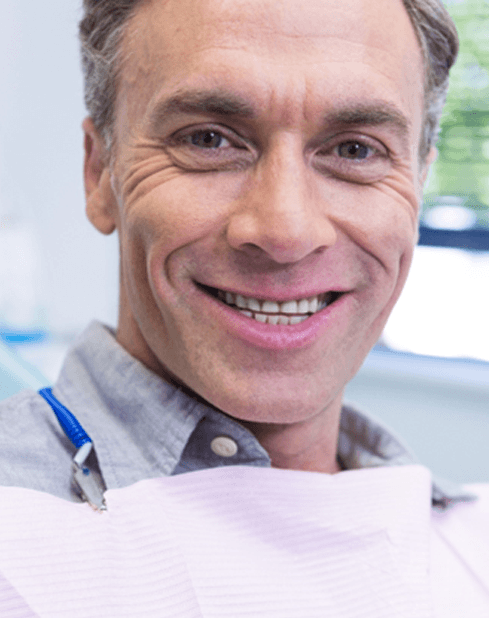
x=221 y=103
x=374 y=113
x=213 y=102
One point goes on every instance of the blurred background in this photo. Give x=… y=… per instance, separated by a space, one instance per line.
x=429 y=375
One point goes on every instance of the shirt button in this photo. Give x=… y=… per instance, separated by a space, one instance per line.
x=224 y=446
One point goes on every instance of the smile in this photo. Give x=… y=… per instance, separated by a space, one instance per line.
x=272 y=312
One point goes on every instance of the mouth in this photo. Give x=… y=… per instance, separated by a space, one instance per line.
x=273 y=312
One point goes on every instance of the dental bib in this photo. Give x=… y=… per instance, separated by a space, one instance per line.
x=245 y=542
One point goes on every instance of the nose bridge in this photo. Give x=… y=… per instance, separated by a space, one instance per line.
x=280 y=213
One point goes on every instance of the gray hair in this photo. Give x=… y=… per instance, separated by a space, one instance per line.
x=104 y=23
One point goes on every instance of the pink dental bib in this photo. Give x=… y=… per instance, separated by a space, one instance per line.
x=244 y=542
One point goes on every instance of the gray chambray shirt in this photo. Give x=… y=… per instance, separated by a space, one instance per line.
x=142 y=427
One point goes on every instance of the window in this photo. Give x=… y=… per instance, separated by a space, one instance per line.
x=444 y=308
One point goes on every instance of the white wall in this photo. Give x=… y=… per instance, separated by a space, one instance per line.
x=66 y=272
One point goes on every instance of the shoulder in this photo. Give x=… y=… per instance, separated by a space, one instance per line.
x=472 y=516
x=460 y=556
x=34 y=452
x=481 y=490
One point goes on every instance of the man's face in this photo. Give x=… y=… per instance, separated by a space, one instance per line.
x=266 y=153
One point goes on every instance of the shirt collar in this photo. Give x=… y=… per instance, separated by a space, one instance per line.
x=365 y=442
x=143 y=427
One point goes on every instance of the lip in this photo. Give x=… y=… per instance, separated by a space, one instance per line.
x=269 y=336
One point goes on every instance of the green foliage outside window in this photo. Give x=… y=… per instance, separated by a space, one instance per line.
x=460 y=176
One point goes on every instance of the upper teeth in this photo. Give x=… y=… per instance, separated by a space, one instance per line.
x=301 y=307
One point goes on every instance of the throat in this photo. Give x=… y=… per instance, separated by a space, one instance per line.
x=310 y=446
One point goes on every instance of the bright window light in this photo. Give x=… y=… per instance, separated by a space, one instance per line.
x=443 y=310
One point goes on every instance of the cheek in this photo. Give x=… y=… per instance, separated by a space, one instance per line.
x=164 y=218
x=174 y=208
x=380 y=218
x=381 y=222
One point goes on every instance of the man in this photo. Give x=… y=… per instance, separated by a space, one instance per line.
x=263 y=166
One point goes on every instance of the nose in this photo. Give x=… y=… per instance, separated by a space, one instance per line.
x=280 y=213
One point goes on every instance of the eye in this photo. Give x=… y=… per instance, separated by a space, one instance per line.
x=354 y=159
x=208 y=148
x=354 y=150
x=208 y=139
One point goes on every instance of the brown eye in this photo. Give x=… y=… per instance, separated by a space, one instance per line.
x=353 y=150
x=207 y=139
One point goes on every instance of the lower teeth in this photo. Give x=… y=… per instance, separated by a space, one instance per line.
x=274 y=319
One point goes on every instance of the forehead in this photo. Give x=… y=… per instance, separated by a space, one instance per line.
x=301 y=51
x=374 y=23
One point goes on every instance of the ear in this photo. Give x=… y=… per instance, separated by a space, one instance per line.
x=431 y=158
x=101 y=205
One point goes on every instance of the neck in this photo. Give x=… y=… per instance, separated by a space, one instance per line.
x=310 y=445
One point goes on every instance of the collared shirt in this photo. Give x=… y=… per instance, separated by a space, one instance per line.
x=142 y=427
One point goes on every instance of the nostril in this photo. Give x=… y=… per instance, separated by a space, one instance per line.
x=285 y=232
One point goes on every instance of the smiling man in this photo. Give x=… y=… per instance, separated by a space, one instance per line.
x=264 y=179
x=262 y=163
